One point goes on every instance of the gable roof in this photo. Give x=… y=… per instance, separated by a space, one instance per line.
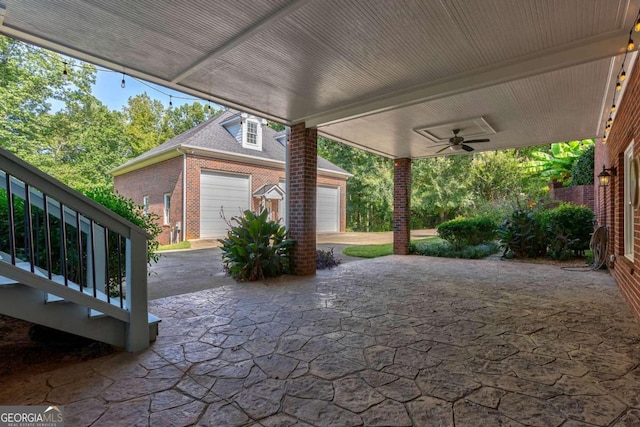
x=211 y=138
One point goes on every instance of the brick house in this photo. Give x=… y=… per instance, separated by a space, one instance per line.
x=228 y=164
x=617 y=203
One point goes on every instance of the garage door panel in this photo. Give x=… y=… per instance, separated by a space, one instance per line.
x=221 y=191
x=327 y=209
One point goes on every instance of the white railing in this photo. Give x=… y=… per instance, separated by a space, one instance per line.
x=58 y=240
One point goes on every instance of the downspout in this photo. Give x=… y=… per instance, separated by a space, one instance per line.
x=183 y=229
x=286 y=177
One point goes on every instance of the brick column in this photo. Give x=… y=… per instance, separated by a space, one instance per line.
x=401 y=206
x=301 y=197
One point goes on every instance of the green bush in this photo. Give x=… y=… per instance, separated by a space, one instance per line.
x=446 y=250
x=463 y=232
x=256 y=248
x=522 y=235
x=569 y=228
x=582 y=169
x=128 y=210
x=73 y=265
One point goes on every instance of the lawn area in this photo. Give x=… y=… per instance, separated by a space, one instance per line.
x=182 y=245
x=374 y=251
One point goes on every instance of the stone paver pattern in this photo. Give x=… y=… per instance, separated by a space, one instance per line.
x=393 y=341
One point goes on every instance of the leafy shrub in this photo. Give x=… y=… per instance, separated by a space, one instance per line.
x=74 y=265
x=522 y=235
x=447 y=250
x=127 y=209
x=463 y=232
x=326 y=259
x=582 y=170
x=569 y=228
x=256 y=248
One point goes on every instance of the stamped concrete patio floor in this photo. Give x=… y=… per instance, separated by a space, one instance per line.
x=393 y=341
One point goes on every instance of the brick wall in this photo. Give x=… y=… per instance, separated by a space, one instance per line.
x=155 y=181
x=625 y=129
x=578 y=195
x=166 y=177
x=301 y=193
x=401 y=206
x=260 y=175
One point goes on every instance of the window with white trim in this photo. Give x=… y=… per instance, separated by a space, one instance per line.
x=167 y=208
x=145 y=204
x=629 y=234
x=252 y=134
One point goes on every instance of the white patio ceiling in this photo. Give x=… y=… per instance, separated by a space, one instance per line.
x=366 y=72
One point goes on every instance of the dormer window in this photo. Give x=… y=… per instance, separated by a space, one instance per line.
x=252 y=134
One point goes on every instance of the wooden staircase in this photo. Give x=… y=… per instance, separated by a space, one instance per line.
x=68 y=263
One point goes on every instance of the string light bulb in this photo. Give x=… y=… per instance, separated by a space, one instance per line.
x=623 y=76
x=618 y=87
x=631 y=45
x=636 y=27
x=65 y=73
x=170 y=102
x=209 y=107
x=608 y=127
x=610 y=120
x=604 y=138
x=613 y=108
x=123 y=84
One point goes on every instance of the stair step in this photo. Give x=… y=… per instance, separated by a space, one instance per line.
x=53 y=298
x=95 y=314
x=6 y=281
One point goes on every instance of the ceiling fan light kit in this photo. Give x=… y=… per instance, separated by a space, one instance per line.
x=458 y=143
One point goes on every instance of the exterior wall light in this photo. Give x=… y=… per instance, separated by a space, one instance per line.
x=605 y=177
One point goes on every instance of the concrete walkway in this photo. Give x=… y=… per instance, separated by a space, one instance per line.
x=393 y=341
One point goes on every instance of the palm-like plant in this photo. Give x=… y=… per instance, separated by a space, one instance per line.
x=556 y=164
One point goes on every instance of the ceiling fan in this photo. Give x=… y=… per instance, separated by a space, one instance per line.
x=457 y=142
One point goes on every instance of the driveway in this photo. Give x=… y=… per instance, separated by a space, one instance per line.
x=393 y=341
x=185 y=271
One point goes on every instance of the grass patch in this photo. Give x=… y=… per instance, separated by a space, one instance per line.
x=374 y=251
x=181 y=245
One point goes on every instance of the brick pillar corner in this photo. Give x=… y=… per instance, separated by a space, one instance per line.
x=301 y=197
x=401 y=206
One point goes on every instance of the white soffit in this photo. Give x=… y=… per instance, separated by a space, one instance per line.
x=345 y=64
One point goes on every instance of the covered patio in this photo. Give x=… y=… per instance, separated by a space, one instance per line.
x=394 y=79
x=393 y=341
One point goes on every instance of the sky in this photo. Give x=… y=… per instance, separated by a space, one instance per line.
x=107 y=89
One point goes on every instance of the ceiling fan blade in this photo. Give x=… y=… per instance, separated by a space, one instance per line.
x=466 y=147
x=442 y=149
x=476 y=140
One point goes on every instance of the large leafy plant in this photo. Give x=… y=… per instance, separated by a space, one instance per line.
x=558 y=161
x=256 y=247
x=522 y=235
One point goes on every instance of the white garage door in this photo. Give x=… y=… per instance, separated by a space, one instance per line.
x=327 y=210
x=221 y=191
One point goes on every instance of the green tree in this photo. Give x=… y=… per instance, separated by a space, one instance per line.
x=369 y=191
x=83 y=142
x=144 y=123
x=30 y=78
x=440 y=189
